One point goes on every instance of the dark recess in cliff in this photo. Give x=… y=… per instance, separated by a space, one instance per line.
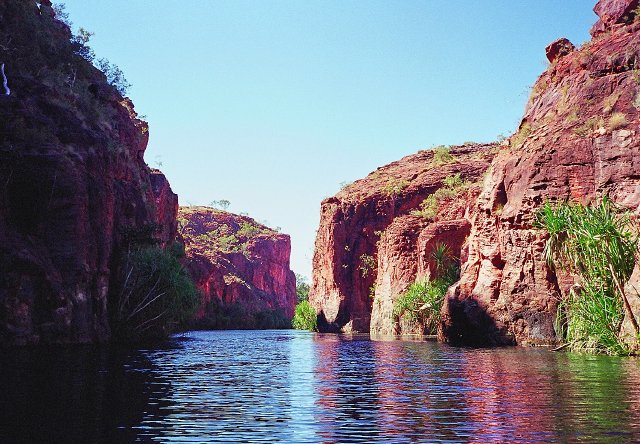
x=73 y=184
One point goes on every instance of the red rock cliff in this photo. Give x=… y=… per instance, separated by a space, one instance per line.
x=578 y=139
x=372 y=244
x=242 y=268
x=74 y=188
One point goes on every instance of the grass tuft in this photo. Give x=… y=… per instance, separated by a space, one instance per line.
x=617 y=120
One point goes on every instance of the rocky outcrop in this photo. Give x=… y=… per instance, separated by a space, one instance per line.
x=242 y=268
x=614 y=13
x=578 y=140
x=166 y=207
x=376 y=235
x=559 y=48
x=74 y=189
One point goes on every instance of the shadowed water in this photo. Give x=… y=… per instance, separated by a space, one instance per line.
x=288 y=386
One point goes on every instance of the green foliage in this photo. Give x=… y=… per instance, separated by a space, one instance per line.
x=156 y=295
x=521 y=136
x=115 y=76
x=305 y=317
x=61 y=13
x=248 y=230
x=452 y=186
x=442 y=156
x=222 y=204
x=224 y=239
x=589 y=126
x=54 y=78
x=80 y=43
x=367 y=264
x=599 y=245
x=617 y=120
x=228 y=243
x=395 y=186
x=422 y=302
x=442 y=256
x=302 y=288
x=454 y=182
x=235 y=316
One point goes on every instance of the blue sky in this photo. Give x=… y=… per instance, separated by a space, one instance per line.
x=271 y=104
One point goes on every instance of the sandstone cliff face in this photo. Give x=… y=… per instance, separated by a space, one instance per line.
x=242 y=268
x=372 y=244
x=74 y=188
x=578 y=140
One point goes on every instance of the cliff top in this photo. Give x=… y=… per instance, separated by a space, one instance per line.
x=208 y=231
x=416 y=171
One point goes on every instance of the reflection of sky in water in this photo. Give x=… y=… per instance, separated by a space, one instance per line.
x=288 y=386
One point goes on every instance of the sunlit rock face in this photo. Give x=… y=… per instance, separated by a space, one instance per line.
x=74 y=188
x=241 y=267
x=578 y=140
x=373 y=242
x=612 y=14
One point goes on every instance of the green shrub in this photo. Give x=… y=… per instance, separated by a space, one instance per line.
x=617 y=120
x=599 y=245
x=302 y=288
x=305 y=317
x=521 y=136
x=422 y=302
x=368 y=264
x=395 y=186
x=589 y=126
x=115 y=76
x=248 y=230
x=156 y=295
x=452 y=186
x=270 y=319
x=442 y=156
x=237 y=316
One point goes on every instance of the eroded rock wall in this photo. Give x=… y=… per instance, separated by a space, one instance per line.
x=74 y=188
x=371 y=245
x=578 y=140
x=241 y=266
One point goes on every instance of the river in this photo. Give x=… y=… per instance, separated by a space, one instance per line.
x=298 y=387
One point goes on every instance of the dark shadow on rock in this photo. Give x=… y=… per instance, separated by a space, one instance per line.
x=465 y=322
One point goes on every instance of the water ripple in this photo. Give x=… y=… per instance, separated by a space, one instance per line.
x=288 y=386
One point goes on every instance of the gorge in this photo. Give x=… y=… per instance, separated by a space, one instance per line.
x=443 y=282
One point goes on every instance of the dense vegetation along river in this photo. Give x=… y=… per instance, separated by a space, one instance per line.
x=291 y=386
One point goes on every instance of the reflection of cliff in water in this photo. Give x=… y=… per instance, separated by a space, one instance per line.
x=347 y=389
x=78 y=394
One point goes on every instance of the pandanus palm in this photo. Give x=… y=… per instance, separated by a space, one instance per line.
x=600 y=244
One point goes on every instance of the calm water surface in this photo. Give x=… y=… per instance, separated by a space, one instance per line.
x=289 y=386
